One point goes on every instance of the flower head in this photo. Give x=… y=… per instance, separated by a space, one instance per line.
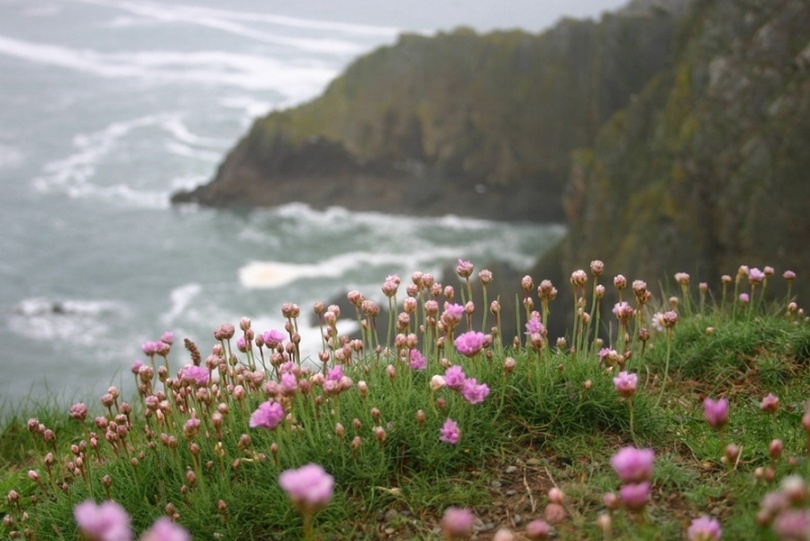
x=457 y=522
x=635 y=496
x=105 y=522
x=534 y=325
x=450 y=432
x=464 y=268
x=268 y=415
x=470 y=343
x=715 y=412
x=197 y=375
x=625 y=384
x=633 y=465
x=704 y=528
x=769 y=404
x=417 y=360
x=309 y=487
x=454 y=377
x=165 y=530
x=473 y=392
x=273 y=338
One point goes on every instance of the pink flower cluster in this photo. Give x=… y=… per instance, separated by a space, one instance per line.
x=470 y=389
x=268 y=415
x=109 y=521
x=634 y=468
x=450 y=433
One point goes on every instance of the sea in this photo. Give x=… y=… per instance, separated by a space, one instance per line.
x=109 y=106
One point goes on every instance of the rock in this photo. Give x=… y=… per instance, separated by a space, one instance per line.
x=457 y=123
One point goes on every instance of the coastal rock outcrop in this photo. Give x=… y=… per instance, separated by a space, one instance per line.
x=461 y=123
x=709 y=168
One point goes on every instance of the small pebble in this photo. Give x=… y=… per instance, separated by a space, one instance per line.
x=496 y=484
x=511 y=469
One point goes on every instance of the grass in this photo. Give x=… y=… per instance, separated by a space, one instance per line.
x=552 y=418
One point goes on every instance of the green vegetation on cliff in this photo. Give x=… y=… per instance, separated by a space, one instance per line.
x=709 y=166
x=451 y=117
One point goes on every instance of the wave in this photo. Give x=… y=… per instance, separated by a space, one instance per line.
x=74 y=175
x=181 y=297
x=250 y=72
x=202 y=15
x=74 y=321
x=77 y=175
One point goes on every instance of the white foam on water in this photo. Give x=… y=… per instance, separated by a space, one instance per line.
x=73 y=321
x=195 y=14
x=181 y=297
x=250 y=106
x=246 y=71
x=74 y=175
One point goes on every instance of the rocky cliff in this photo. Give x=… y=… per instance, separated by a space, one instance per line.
x=709 y=167
x=462 y=123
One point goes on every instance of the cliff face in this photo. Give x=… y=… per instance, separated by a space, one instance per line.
x=709 y=168
x=478 y=125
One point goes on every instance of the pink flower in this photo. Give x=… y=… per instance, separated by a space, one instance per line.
x=769 y=404
x=418 y=361
x=450 y=432
x=635 y=496
x=334 y=374
x=464 y=268
x=473 y=392
x=78 y=411
x=195 y=374
x=457 y=522
x=538 y=529
x=755 y=276
x=534 y=325
x=470 y=343
x=106 y=522
x=454 y=377
x=273 y=338
x=715 y=412
x=625 y=384
x=268 y=415
x=704 y=528
x=792 y=524
x=165 y=530
x=633 y=465
x=309 y=487
x=623 y=311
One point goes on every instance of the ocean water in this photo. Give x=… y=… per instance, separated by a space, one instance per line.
x=106 y=108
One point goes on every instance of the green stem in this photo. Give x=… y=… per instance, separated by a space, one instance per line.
x=666 y=367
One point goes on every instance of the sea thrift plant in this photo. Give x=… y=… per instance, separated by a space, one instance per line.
x=191 y=429
x=457 y=523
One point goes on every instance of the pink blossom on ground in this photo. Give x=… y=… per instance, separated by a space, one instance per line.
x=538 y=529
x=470 y=343
x=769 y=404
x=635 y=496
x=457 y=522
x=309 y=487
x=473 y=392
x=454 y=377
x=625 y=384
x=165 y=530
x=105 y=522
x=704 y=528
x=450 y=432
x=633 y=465
x=268 y=415
x=715 y=412
x=792 y=524
x=417 y=360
